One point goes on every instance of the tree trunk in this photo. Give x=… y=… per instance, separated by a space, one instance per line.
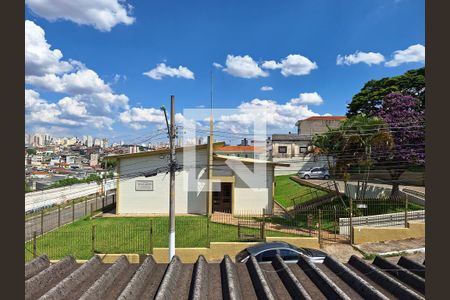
x=395 y=175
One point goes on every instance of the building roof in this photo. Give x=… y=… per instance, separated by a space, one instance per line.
x=40 y=173
x=161 y=151
x=290 y=137
x=325 y=118
x=240 y=149
x=250 y=160
x=356 y=279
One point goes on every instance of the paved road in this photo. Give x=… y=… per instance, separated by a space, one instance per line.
x=67 y=215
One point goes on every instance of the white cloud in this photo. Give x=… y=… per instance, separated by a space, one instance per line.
x=84 y=86
x=271 y=64
x=40 y=59
x=162 y=70
x=101 y=14
x=88 y=102
x=72 y=107
x=279 y=116
x=244 y=67
x=138 y=117
x=370 y=58
x=66 y=112
x=293 y=64
x=308 y=98
x=414 y=53
x=217 y=65
x=266 y=88
x=40 y=111
x=84 y=81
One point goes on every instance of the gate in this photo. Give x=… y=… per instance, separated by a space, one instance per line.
x=330 y=228
x=250 y=229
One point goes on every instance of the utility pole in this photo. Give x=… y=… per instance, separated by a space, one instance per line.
x=210 y=150
x=105 y=199
x=172 y=167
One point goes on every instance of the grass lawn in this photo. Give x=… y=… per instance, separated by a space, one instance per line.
x=132 y=235
x=286 y=188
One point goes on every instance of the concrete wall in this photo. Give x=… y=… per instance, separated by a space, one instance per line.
x=371 y=191
x=292 y=148
x=216 y=251
x=316 y=126
x=157 y=201
x=254 y=195
x=366 y=234
x=248 y=198
x=252 y=190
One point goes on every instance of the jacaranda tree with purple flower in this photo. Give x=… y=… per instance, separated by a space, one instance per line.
x=406 y=121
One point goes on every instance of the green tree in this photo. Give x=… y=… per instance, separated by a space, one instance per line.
x=31 y=151
x=28 y=188
x=110 y=164
x=370 y=99
x=352 y=144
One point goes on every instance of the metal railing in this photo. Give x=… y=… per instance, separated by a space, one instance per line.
x=47 y=220
x=140 y=235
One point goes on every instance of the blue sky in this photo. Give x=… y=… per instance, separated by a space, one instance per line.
x=194 y=35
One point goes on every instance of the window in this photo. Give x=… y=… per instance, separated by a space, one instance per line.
x=303 y=149
x=282 y=149
x=266 y=255
x=287 y=254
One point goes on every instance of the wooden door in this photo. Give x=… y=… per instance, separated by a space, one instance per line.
x=221 y=200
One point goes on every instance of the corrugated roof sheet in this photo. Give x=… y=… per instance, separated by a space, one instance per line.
x=357 y=279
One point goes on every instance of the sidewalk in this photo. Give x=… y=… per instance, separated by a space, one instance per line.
x=388 y=247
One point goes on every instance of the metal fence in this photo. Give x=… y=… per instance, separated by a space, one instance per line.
x=141 y=235
x=52 y=218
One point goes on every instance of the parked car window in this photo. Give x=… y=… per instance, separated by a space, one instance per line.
x=266 y=255
x=287 y=254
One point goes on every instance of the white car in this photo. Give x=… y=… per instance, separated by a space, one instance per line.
x=317 y=173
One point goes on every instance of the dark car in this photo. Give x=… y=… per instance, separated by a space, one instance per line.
x=265 y=252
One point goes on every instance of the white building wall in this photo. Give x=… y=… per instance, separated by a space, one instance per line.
x=248 y=196
x=130 y=201
x=157 y=201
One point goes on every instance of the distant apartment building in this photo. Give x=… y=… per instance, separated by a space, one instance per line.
x=98 y=142
x=133 y=149
x=93 y=161
x=89 y=141
x=289 y=145
x=318 y=124
x=36 y=160
x=293 y=148
x=70 y=159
